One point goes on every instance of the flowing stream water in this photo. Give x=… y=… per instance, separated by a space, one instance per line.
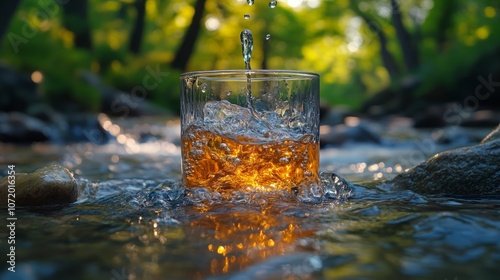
x=134 y=220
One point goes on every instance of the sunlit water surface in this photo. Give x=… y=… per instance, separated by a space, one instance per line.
x=134 y=220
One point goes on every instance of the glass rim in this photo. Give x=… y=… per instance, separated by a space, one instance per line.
x=243 y=72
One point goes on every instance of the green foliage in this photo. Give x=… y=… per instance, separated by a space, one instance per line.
x=29 y=47
x=149 y=75
x=331 y=39
x=468 y=38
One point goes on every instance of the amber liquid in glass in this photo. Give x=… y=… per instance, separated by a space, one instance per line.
x=236 y=162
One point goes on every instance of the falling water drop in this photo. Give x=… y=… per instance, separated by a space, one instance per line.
x=246 y=40
x=273 y=4
x=246 y=16
x=268 y=36
x=204 y=88
x=250 y=2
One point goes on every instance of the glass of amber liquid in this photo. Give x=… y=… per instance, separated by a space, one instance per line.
x=249 y=129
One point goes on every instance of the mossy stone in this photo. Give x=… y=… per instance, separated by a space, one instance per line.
x=471 y=170
x=50 y=185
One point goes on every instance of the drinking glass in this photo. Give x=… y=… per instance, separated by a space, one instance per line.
x=249 y=129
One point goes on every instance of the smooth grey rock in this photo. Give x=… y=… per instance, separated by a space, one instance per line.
x=471 y=170
x=50 y=185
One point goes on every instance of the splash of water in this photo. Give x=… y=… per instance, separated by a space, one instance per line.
x=246 y=40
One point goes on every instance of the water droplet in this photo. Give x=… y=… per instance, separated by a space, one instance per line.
x=273 y=4
x=268 y=36
x=246 y=39
x=204 y=88
x=229 y=92
x=233 y=160
x=336 y=187
x=284 y=160
x=246 y=16
x=223 y=146
x=250 y=2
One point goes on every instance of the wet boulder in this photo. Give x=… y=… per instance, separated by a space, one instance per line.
x=50 y=185
x=471 y=170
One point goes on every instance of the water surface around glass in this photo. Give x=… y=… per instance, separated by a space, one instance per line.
x=128 y=223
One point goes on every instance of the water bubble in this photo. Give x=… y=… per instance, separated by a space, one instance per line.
x=284 y=160
x=250 y=2
x=273 y=4
x=196 y=154
x=223 y=146
x=246 y=16
x=233 y=160
x=204 y=88
x=268 y=36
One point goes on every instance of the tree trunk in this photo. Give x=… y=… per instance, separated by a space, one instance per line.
x=186 y=48
x=138 y=30
x=410 y=51
x=75 y=19
x=6 y=13
x=442 y=13
x=387 y=58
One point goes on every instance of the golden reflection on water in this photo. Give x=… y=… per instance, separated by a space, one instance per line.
x=236 y=240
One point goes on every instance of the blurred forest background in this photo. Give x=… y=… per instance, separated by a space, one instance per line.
x=377 y=56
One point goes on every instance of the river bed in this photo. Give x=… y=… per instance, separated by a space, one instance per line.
x=133 y=221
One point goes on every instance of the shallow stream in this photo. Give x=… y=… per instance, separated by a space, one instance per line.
x=133 y=221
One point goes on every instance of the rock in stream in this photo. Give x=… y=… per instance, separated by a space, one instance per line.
x=49 y=185
x=471 y=170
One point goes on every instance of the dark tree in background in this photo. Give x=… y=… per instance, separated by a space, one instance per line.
x=6 y=13
x=387 y=58
x=137 y=33
x=186 y=48
x=442 y=15
x=410 y=56
x=408 y=47
x=75 y=19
